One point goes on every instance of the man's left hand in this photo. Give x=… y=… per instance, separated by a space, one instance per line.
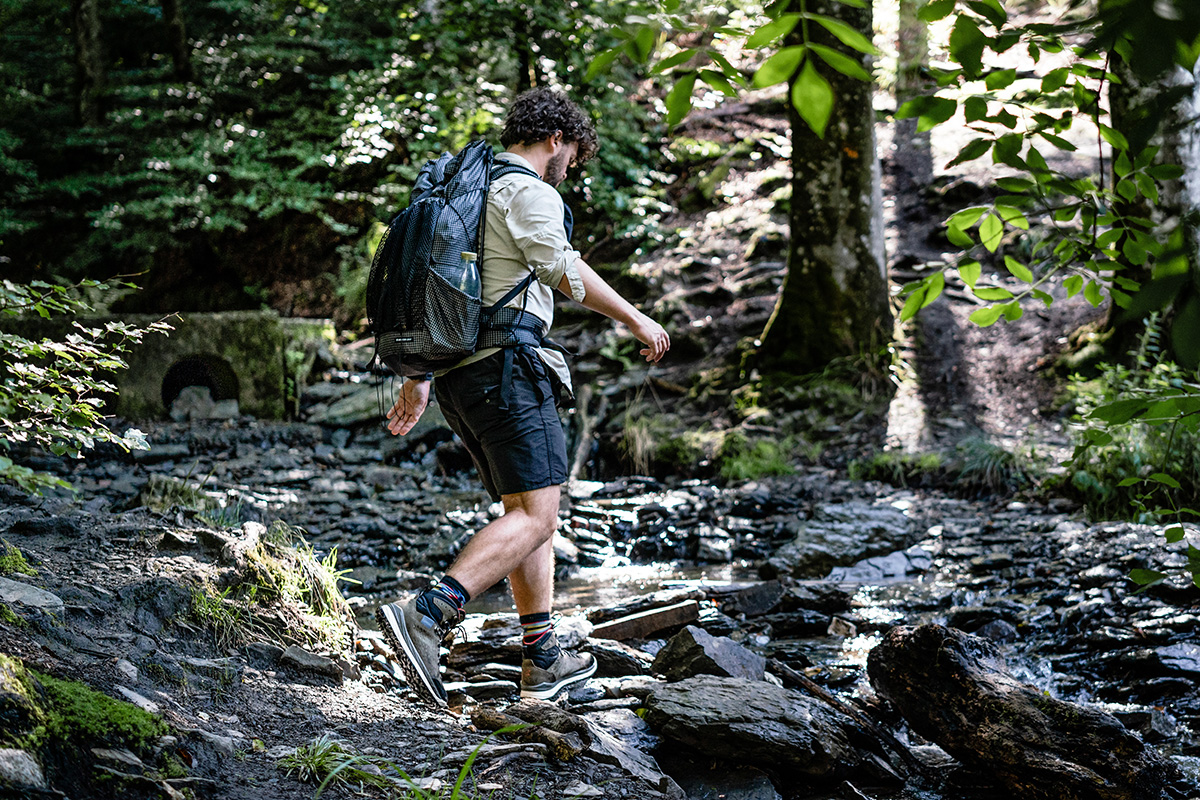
x=414 y=396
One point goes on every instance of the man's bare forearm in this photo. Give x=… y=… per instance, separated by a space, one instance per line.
x=600 y=297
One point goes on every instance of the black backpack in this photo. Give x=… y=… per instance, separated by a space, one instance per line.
x=422 y=322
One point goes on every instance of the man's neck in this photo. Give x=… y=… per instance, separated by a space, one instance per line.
x=538 y=157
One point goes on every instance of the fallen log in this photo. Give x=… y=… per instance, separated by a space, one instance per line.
x=955 y=689
x=648 y=623
x=564 y=746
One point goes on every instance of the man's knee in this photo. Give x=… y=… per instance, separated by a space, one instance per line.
x=540 y=506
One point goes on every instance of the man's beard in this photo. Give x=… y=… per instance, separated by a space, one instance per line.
x=556 y=168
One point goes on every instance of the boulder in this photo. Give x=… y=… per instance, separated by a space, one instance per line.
x=955 y=690
x=19 y=770
x=758 y=723
x=301 y=660
x=616 y=659
x=839 y=534
x=22 y=594
x=693 y=651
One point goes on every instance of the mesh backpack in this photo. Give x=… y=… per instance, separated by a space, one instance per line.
x=421 y=320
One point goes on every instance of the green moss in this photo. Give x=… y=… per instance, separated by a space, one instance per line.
x=898 y=468
x=743 y=460
x=9 y=617
x=12 y=560
x=75 y=713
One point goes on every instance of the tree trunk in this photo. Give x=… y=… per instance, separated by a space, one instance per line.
x=834 y=301
x=913 y=155
x=89 y=61
x=177 y=42
x=1162 y=113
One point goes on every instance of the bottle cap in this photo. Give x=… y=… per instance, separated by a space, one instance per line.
x=468 y=256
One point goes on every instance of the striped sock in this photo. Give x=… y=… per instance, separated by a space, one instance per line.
x=538 y=644
x=451 y=591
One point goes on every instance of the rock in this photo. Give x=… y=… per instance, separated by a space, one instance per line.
x=481 y=690
x=22 y=594
x=359 y=406
x=196 y=403
x=138 y=700
x=19 y=769
x=839 y=534
x=753 y=600
x=709 y=781
x=885 y=569
x=693 y=652
x=761 y=724
x=616 y=659
x=955 y=690
x=118 y=757
x=1180 y=657
x=581 y=790
x=127 y=670
x=263 y=655
x=17 y=708
x=301 y=660
x=608 y=749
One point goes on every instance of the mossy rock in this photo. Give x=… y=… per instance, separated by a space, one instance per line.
x=19 y=710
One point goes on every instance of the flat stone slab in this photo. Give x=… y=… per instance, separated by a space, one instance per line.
x=17 y=593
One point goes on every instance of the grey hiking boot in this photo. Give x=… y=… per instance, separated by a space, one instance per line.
x=415 y=634
x=565 y=671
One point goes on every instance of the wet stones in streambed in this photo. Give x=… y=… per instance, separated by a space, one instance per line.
x=955 y=690
x=840 y=534
x=761 y=724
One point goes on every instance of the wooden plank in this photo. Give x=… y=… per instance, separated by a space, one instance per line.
x=648 y=623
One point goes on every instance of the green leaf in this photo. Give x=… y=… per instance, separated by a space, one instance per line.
x=966 y=46
x=1129 y=482
x=1120 y=412
x=959 y=237
x=1057 y=141
x=848 y=35
x=1091 y=293
x=990 y=232
x=773 y=30
x=1174 y=534
x=990 y=10
x=1114 y=137
x=1000 y=79
x=601 y=63
x=779 y=67
x=1015 y=185
x=1043 y=296
x=972 y=151
x=812 y=97
x=1012 y=216
x=1055 y=79
x=1012 y=311
x=1147 y=577
x=992 y=293
x=673 y=61
x=986 y=317
x=967 y=217
x=841 y=62
x=1164 y=479
x=926 y=292
x=1018 y=270
x=1166 y=172
x=936 y=9
x=970 y=272
x=975 y=108
x=679 y=99
x=1073 y=284
x=931 y=110
x=643 y=44
x=718 y=81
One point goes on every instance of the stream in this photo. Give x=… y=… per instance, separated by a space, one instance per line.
x=851 y=559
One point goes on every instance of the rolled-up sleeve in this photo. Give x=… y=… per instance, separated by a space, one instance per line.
x=535 y=218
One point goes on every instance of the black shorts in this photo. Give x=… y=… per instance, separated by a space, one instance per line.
x=516 y=441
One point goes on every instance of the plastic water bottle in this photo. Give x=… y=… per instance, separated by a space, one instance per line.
x=469 y=282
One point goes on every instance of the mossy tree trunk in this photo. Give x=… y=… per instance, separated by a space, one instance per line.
x=913 y=153
x=89 y=61
x=834 y=301
x=177 y=42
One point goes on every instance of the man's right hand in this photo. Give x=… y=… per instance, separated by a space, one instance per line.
x=653 y=335
x=414 y=396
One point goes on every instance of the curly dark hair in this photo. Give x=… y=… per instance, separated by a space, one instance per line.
x=539 y=113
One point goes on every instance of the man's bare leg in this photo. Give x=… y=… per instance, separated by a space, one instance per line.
x=503 y=546
x=532 y=581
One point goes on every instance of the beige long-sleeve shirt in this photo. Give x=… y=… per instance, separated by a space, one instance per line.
x=524 y=231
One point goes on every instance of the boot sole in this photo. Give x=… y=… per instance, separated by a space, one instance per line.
x=549 y=691
x=391 y=622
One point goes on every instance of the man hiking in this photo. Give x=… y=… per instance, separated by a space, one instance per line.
x=501 y=402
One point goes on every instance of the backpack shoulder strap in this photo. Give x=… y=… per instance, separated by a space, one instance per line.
x=503 y=168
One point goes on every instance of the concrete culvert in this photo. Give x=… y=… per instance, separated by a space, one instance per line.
x=208 y=371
